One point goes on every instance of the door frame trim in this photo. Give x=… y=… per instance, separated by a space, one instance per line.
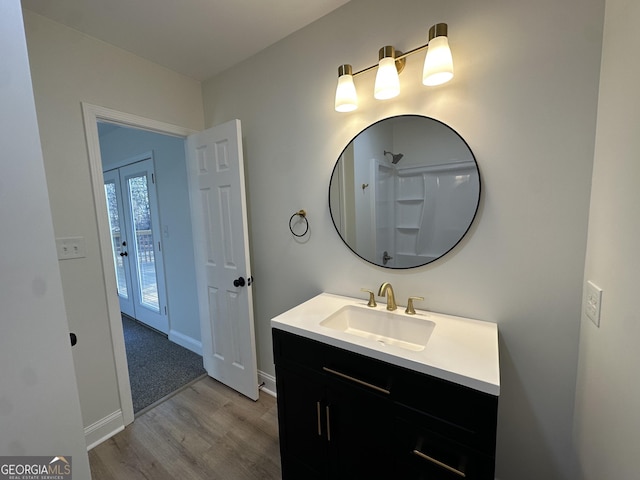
x=91 y=115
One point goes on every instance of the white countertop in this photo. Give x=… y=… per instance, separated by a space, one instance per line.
x=460 y=350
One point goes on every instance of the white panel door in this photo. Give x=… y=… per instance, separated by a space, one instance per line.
x=219 y=216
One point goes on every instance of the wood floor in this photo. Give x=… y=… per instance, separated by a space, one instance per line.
x=206 y=431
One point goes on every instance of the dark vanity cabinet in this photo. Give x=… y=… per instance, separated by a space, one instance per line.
x=343 y=415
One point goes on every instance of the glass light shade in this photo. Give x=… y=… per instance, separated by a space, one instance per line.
x=346 y=96
x=438 y=64
x=387 y=79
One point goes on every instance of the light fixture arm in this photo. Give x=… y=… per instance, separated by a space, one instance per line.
x=411 y=52
x=400 y=57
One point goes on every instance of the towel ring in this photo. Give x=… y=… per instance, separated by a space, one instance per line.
x=302 y=214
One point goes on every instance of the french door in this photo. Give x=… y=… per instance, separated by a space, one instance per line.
x=135 y=238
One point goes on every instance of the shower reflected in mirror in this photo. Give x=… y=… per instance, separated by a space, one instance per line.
x=395 y=157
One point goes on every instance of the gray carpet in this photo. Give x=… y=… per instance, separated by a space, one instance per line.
x=157 y=367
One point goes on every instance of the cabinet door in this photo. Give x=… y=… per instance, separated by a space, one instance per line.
x=360 y=433
x=301 y=416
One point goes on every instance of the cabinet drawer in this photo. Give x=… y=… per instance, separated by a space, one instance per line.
x=304 y=354
x=425 y=455
x=290 y=349
x=454 y=408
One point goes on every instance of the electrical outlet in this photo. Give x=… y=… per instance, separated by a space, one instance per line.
x=71 y=247
x=593 y=301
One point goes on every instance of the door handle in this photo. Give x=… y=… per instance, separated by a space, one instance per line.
x=239 y=282
x=124 y=254
x=74 y=338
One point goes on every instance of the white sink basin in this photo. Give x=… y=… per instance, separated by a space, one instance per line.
x=386 y=328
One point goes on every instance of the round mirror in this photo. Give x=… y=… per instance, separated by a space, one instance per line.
x=404 y=191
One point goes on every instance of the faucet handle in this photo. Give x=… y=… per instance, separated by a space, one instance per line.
x=410 y=310
x=372 y=298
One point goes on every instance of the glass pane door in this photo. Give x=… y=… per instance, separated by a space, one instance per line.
x=119 y=240
x=116 y=237
x=145 y=255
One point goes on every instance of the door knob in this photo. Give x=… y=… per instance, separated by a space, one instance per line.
x=124 y=254
x=239 y=282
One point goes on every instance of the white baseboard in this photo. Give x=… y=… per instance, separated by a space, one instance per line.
x=269 y=383
x=185 y=341
x=103 y=429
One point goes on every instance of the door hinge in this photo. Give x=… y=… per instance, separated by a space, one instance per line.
x=165 y=309
x=153 y=179
x=159 y=249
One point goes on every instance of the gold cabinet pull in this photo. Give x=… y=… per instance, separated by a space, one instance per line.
x=356 y=380
x=439 y=463
x=328 y=424
x=319 y=421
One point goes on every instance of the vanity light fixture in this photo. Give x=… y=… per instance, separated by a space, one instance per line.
x=346 y=96
x=438 y=69
x=438 y=64
x=387 y=79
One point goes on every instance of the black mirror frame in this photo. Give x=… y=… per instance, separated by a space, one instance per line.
x=471 y=222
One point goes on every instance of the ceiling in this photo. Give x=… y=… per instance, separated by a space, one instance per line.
x=198 y=38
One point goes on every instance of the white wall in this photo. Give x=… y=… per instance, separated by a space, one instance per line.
x=39 y=406
x=524 y=97
x=69 y=68
x=608 y=394
x=122 y=144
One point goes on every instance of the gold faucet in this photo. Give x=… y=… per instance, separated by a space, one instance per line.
x=387 y=289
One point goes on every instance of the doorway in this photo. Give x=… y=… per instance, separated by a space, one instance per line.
x=150 y=243
x=202 y=159
x=134 y=222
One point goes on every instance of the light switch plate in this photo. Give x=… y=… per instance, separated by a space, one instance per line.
x=71 y=247
x=593 y=302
